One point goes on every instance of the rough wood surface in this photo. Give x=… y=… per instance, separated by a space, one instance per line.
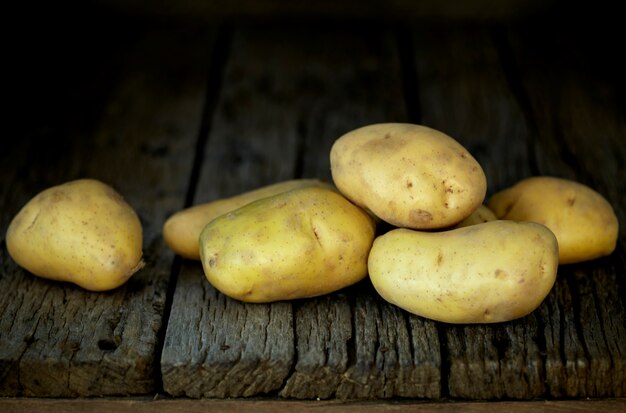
x=464 y=92
x=169 y=120
x=573 y=97
x=57 y=339
x=279 y=406
x=273 y=104
x=237 y=349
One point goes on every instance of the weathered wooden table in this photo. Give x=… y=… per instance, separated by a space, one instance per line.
x=173 y=115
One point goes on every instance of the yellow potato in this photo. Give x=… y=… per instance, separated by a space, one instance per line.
x=481 y=215
x=582 y=220
x=408 y=175
x=181 y=231
x=81 y=232
x=301 y=243
x=485 y=273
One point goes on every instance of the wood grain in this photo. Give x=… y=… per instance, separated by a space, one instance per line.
x=464 y=92
x=278 y=117
x=56 y=339
x=237 y=349
x=137 y=111
x=270 y=406
x=573 y=98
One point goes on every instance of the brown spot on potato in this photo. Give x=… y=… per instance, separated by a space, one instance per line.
x=439 y=258
x=57 y=196
x=500 y=274
x=409 y=184
x=447 y=188
x=213 y=262
x=571 y=201
x=420 y=216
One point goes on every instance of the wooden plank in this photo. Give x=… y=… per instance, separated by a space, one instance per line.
x=573 y=96
x=396 y=354
x=269 y=405
x=277 y=118
x=367 y=352
x=237 y=349
x=464 y=92
x=126 y=113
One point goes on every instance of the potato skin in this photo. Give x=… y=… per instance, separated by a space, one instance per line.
x=481 y=215
x=485 y=273
x=408 y=175
x=81 y=232
x=181 y=231
x=582 y=220
x=301 y=243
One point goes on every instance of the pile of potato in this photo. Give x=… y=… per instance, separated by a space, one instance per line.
x=447 y=256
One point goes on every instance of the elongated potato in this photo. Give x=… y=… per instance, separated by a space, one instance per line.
x=582 y=220
x=81 y=232
x=301 y=243
x=408 y=175
x=181 y=231
x=484 y=273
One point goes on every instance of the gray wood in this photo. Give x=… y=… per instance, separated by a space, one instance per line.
x=238 y=349
x=464 y=92
x=56 y=339
x=218 y=347
x=529 y=103
x=355 y=83
x=323 y=333
x=573 y=97
x=138 y=405
x=269 y=87
x=395 y=354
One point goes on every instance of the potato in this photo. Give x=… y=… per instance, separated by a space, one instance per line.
x=408 y=175
x=481 y=215
x=181 y=231
x=582 y=220
x=81 y=232
x=485 y=273
x=301 y=243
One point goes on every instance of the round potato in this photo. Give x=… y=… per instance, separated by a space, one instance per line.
x=582 y=220
x=181 y=231
x=301 y=243
x=81 y=232
x=485 y=273
x=408 y=175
